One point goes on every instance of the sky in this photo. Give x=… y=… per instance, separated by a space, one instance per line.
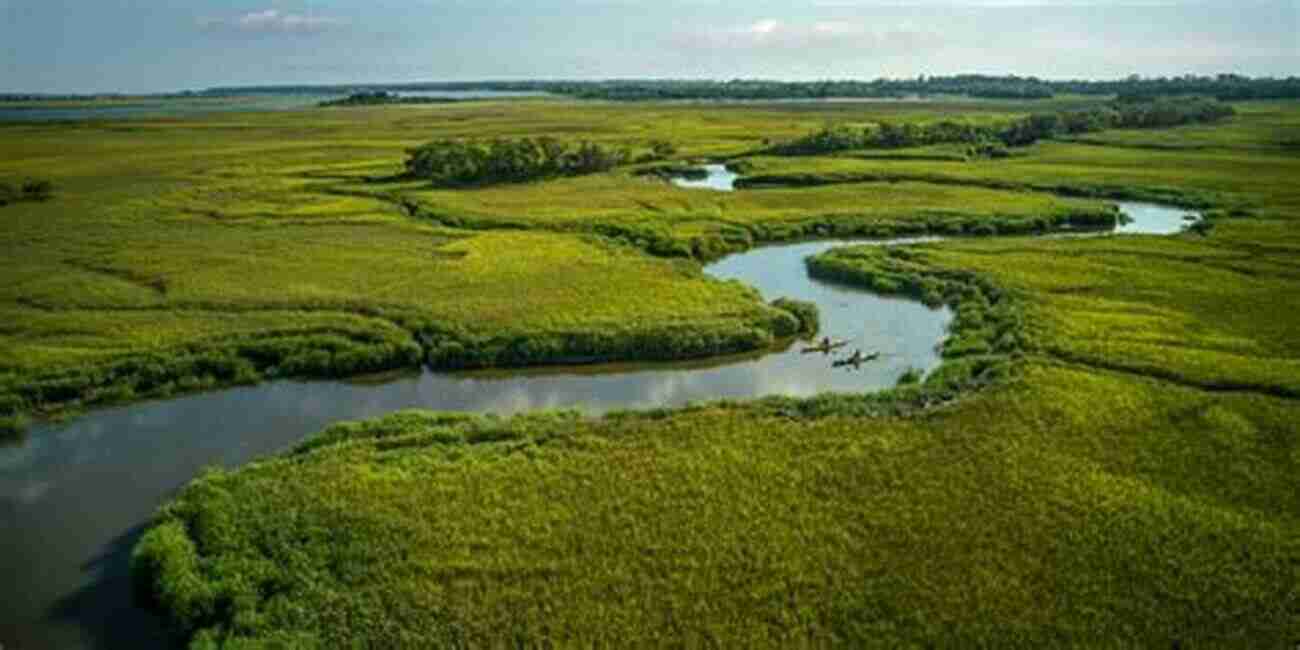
x=170 y=45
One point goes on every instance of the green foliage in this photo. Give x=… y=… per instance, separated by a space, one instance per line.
x=806 y=313
x=28 y=190
x=13 y=426
x=1110 y=411
x=196 y=367
x=910 y=376
x=983 y=139
x=795 y=521
x=383 y=98
x=987 y=149
x=671 y=221
x=662 y=149
x=166 y=568
x=454 y=162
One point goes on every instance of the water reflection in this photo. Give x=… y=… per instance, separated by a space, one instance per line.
x=718 y=177
x=1155 y=219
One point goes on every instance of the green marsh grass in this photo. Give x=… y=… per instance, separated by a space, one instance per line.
x=1122 y=477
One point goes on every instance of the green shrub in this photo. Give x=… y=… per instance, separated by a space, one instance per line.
x=910 y=376
x=13 y=426
x=37 y=190
x=165 y=568
x=29 y=190
x=805 y=312
x=465 y=162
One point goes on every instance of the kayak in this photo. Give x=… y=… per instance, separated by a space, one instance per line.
x=825 y=347
x=858 y=361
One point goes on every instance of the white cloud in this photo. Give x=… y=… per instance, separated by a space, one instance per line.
x=763 y=27
x=772 y=34
x=272 y=21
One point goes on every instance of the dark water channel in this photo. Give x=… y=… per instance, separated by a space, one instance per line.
x=74 y=496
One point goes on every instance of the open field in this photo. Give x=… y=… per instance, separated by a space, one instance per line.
x=1107 y=459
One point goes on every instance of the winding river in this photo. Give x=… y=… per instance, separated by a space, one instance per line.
x=74 y=496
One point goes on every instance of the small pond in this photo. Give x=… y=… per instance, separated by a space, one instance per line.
x=1155 y=219
x=717 y=177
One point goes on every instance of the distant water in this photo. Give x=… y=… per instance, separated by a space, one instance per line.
x=1155 y=219
x=720 y=178
x=55 y=111
x=142 y=108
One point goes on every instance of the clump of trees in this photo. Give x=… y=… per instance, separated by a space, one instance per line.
x=992 y=141
x=32 y=190
x=381 y=98
x=467 y=162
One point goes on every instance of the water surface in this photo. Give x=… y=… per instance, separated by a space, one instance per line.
x=125 y=109
x=719 y=178
x=1155 y=219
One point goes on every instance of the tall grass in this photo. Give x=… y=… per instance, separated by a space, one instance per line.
x=1105 y=458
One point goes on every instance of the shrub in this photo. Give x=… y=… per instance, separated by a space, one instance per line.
x=38 y=190
x=165 y=568
x=29 y=190
x=909 y=377
x=805 y=312
x=12 y=426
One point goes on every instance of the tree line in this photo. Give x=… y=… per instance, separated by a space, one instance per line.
x=1224 y=87
x=471 y=162
x=383 y=98
x=992 y=140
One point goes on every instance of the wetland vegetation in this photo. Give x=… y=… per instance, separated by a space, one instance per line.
x=1105 y=456
x=991 y=140
x=28 y=190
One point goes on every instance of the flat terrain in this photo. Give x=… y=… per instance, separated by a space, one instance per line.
x=1126 y=478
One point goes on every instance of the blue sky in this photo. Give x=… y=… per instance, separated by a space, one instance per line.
x=161 y=45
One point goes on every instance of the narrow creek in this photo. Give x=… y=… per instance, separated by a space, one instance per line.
x=74 y=496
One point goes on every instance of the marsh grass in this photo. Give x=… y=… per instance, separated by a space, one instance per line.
x=1106 y=457
x=796 y=519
